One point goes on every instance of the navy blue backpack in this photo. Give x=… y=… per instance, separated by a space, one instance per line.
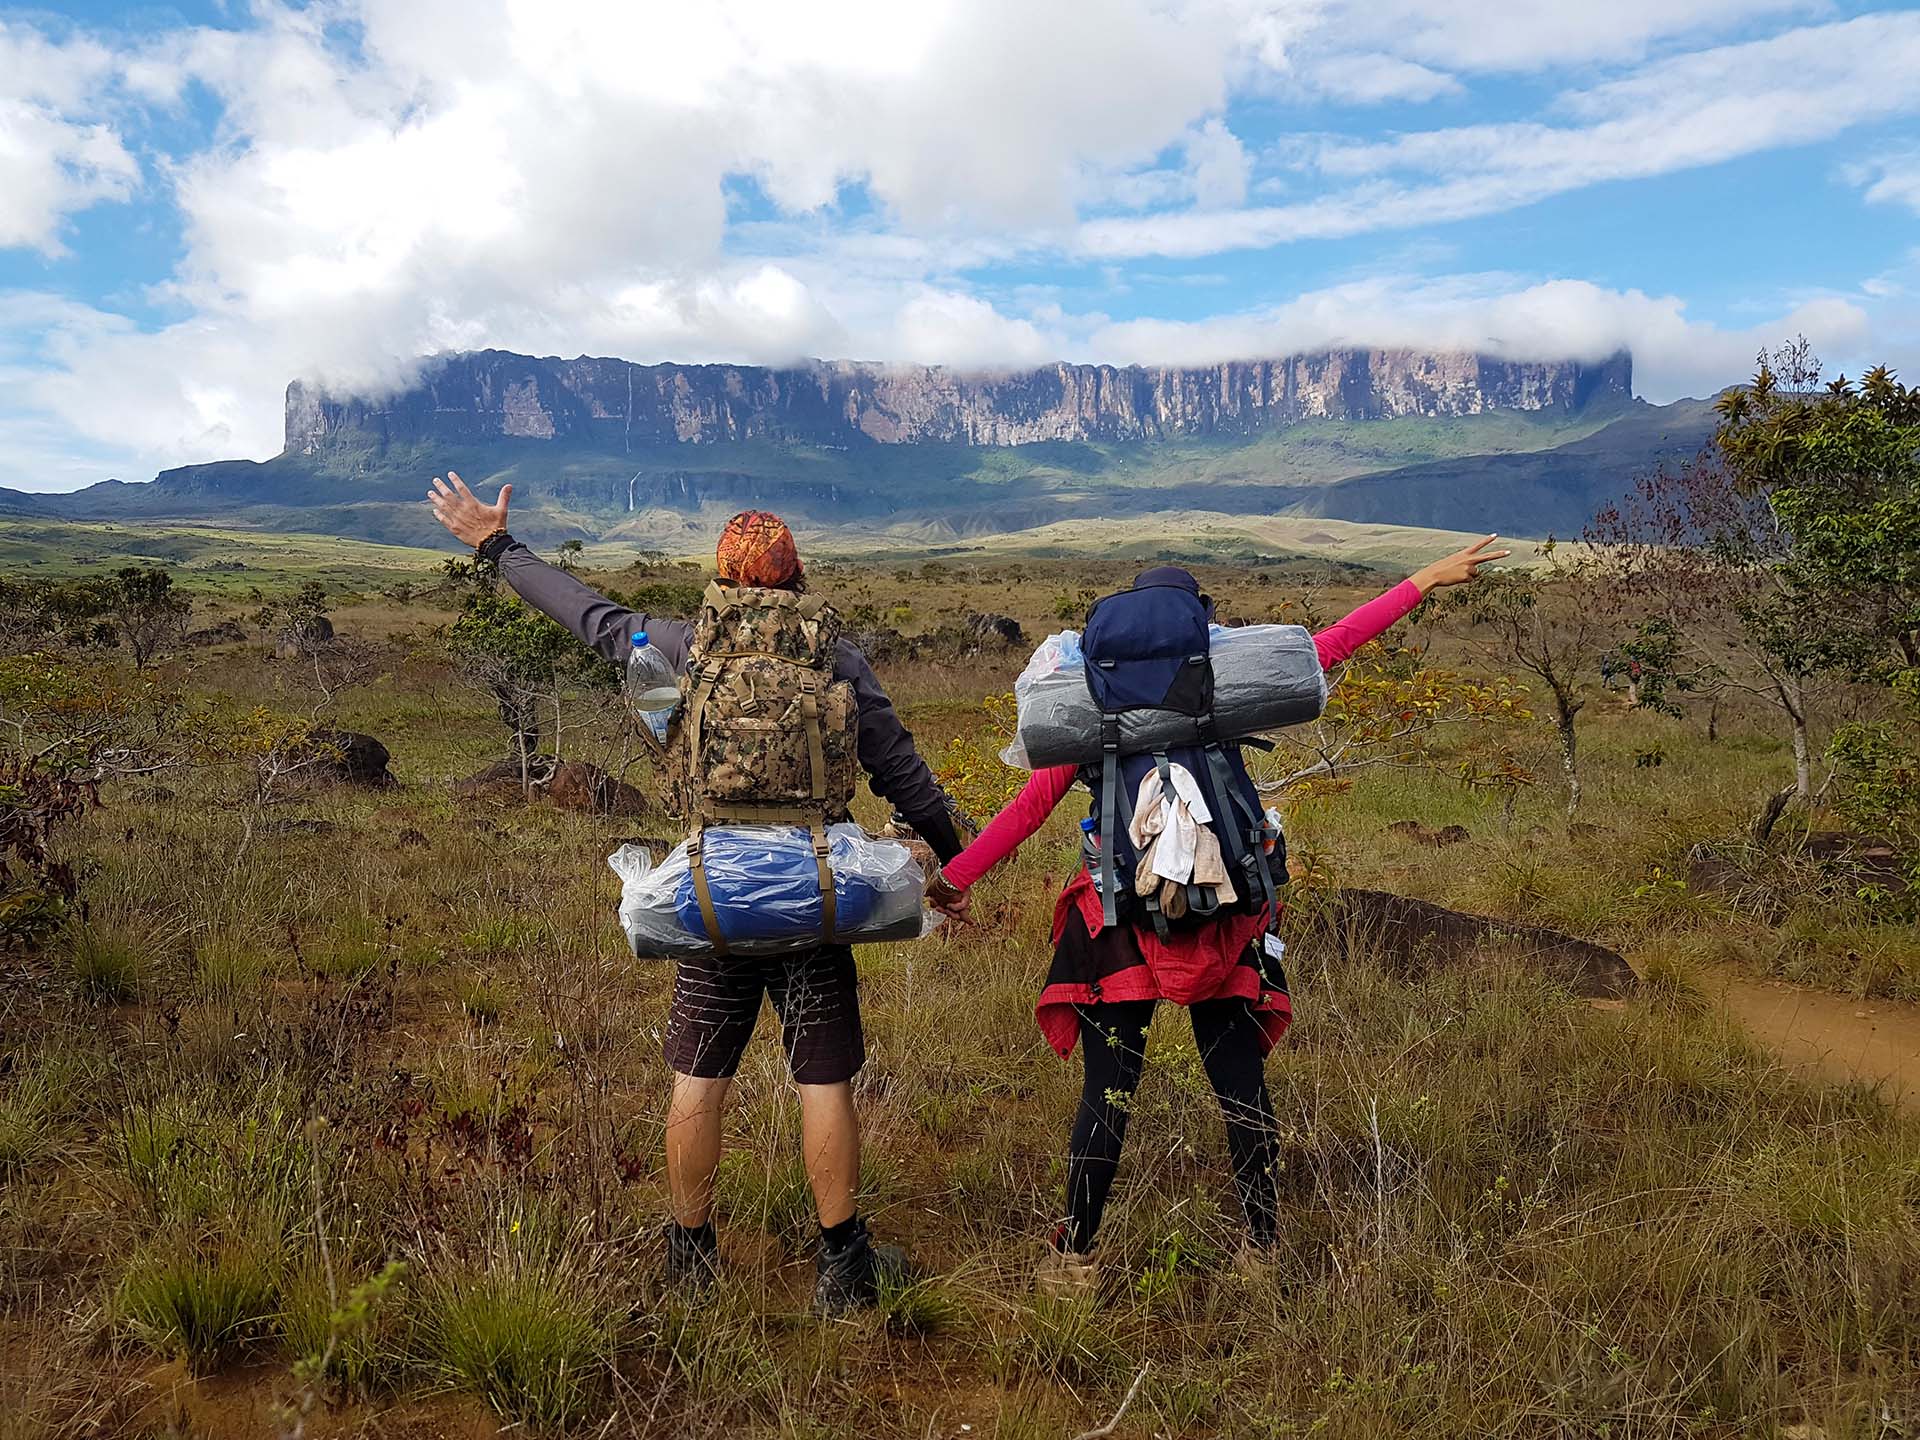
x=1148 y=648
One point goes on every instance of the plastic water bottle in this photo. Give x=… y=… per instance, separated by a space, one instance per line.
x=653 y=690
x=1090 y=848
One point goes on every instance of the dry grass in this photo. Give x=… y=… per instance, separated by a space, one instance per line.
x=1508 y=1213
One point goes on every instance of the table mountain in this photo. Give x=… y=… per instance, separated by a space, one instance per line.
x=615 y=405
x=656 y=454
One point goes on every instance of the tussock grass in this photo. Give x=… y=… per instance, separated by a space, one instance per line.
x=202 y=1309
x=108 y=961
x=523 y=1324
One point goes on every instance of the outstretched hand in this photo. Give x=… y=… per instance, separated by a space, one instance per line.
x=1459 y=567
x=951 y=901
x=460 y=510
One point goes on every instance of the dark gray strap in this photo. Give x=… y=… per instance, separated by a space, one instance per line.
x=1109 y=819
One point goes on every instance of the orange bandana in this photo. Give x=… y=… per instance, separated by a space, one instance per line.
x=757 y=548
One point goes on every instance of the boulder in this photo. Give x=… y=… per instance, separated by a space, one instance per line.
x=353 y=759
x=1413 y=936
x=303 y=637
x=227 y=632
x=569 y=784
x=576 y=785
x=879 y=643
x=1004 y=629
x=1871 y=858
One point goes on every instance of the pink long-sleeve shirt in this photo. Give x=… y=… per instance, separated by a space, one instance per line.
x=1029 y=810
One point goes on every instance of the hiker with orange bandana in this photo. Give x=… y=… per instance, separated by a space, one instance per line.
x=716 y=998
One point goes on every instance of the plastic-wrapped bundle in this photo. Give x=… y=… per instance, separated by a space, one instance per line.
x=766 y=892
x=1264 y=677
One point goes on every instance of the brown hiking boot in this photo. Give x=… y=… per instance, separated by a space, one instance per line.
x=1066 y=1275
x=1257 y=1264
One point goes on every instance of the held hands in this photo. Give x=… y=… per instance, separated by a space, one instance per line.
x=1459 y=567
x=460 y=510
x=954 y=903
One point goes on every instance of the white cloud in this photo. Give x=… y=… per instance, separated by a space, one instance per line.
x=1524 y=35
x=1499 y=315
x=1891 y=179
x=56 y=155
x=1218 y=165
x=1676 y=114
x=1372 y=78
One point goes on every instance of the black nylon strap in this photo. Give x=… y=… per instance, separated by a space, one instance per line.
x=1109 y=818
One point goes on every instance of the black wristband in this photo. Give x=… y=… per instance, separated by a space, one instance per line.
x=495 y=545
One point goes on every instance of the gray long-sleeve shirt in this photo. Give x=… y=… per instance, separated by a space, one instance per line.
x=894 y=768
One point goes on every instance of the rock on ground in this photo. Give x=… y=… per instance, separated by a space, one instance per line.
x=353 y=758
x=569 y=784
x=303 y=638
x=1004 y=628
x=1414 y=935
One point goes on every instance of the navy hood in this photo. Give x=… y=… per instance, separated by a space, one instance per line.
x=1167 y=575
x=1179 y=579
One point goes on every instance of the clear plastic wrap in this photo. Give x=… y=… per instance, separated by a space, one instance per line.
x=766 y=892
x=1264 y=677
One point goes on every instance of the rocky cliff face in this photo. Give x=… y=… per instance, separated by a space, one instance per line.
x=615 y=405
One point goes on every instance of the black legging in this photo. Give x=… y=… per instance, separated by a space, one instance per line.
x=1113 y=1044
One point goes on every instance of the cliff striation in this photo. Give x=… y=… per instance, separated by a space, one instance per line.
x=616 y=406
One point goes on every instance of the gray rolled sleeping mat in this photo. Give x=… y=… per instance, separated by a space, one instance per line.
x=1264 y=677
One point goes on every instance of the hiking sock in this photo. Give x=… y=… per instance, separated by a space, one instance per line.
x=693 y=1253
x=835 y=1238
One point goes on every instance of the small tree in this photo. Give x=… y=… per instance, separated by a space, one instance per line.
x=147 y=613
x=1548 y=623
x=525 y=663
x=570 y=552
x=1788 y=549
x=65 y=729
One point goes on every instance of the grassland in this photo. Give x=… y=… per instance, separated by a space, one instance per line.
x=284 y=1050
x=216 y=561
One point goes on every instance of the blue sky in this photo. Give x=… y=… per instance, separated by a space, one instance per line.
x=202 y=201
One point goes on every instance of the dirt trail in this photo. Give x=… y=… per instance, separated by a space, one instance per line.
x=1835 y=1036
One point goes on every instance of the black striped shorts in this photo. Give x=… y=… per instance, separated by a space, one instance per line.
x=815 y=993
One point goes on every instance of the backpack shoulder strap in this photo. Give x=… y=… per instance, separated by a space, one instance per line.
x=1109 y=818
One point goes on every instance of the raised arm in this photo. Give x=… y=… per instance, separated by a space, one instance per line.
x=1012 y=827
x=1340 y=640
x=595 y=620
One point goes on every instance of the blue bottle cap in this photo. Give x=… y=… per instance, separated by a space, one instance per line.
x=1089 y=825
x=639 y=638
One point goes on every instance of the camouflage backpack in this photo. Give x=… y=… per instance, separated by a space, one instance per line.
x=767 y=735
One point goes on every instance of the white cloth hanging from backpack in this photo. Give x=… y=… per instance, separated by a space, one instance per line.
x=1173 y=839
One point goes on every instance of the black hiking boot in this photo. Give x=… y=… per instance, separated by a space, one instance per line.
x=850 y=1278
x=693 y=1257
